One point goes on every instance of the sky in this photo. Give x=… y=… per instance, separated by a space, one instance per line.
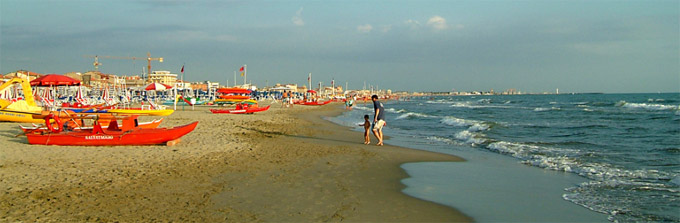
x=608 y=46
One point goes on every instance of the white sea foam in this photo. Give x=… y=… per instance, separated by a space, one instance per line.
x=441 y=101
x=394 y=110
x=485 y=101
x=546 y=109
x=561 y=159
x=439 y=139
x=470 y=138
x=478 y=127
x=645 y=106
x=473 y=126
x=363 y=108
x=453 y=121
x=414 y=114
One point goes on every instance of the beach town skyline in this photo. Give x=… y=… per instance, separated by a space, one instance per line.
x=535 y=46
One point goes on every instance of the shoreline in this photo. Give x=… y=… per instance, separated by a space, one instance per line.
x=344 y=180
x=274 y=166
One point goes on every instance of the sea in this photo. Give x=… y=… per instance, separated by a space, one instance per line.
x=619 y=153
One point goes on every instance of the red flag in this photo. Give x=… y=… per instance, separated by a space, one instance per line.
x=182 y=69
x=241 y=69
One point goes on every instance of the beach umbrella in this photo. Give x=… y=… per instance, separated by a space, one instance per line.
x=311 y=91
x=105 y=94
x=157 y=87
x=54 y=80
x=79 y=93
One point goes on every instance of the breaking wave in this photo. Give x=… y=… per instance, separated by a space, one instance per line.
x=645 y=106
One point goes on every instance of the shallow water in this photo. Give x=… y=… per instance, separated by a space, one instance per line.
x=624 y=146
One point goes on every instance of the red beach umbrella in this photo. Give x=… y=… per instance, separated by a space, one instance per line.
x=54 y=80
x=311 y=91
x=157 y=87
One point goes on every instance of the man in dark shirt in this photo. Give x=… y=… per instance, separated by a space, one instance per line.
x=378 y=119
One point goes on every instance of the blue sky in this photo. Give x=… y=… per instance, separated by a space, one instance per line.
x=419 y=45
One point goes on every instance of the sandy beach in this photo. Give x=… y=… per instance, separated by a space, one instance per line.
x=281 y=165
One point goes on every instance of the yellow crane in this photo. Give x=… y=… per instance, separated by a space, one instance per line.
x=148 y=58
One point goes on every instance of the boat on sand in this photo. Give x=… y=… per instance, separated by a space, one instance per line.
x=247 y=110
x=114 y=135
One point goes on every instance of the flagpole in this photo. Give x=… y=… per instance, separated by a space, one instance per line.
x=183 y=88
x=183 y=85
x=245 y=74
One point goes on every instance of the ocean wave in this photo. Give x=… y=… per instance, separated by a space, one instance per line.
x=484 y=101
x=363 y=108
x=470 y=137
x=567 y=160
x=440 y=101
x=645 y=106
x=414 y=114
x=546 y=109
x=473 y=126
x=395 y=110
x=458 y=122
x=619 y=208
x=676 y=181
x=439 y=139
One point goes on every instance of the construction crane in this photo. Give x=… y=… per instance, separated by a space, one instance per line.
x=148 y=58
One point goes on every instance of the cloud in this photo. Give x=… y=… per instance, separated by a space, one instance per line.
x=437 y=23
x=365 y=28
x=297 y=19
x=413 y=24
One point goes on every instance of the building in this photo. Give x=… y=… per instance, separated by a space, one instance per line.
x=203 y=86
x=134 y=81
x=23 y=74
x=181 y=85
x=163 y=77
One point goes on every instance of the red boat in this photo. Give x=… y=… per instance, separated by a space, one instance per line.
x=233 y=91
x=242 y=97
x=129 y=134
x=314 y=102
x=239 y=110
x=145 y=125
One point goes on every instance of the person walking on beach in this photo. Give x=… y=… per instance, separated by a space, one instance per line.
x=378 y=119
x=367 y=127
x=284 y=99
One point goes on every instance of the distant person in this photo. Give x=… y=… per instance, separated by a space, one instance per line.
x=349 y=103
x=367 y=127
x=284 y=99
x=378 y=119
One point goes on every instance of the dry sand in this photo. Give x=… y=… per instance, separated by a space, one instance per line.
x=278 y=165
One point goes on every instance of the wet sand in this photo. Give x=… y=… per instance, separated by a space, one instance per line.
x=279 y=165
